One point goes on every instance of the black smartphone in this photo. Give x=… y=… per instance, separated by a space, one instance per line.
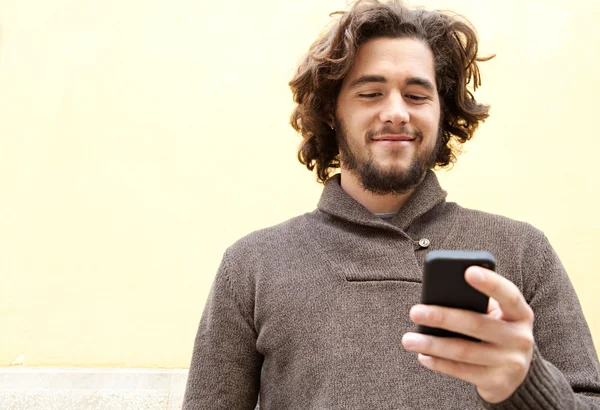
x=444 y=284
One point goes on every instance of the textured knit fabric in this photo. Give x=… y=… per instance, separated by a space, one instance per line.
x=310 y=313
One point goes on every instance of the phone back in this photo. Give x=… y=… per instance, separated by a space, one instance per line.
x=444 y=284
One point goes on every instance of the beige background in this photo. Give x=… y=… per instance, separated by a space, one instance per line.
x=138 y=139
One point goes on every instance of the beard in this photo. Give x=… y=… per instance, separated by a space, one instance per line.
x=391 y=180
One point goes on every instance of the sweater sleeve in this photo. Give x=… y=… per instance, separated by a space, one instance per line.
x=225 y=367
x=564 y=373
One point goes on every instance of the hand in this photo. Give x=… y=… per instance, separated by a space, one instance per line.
x=499 y=363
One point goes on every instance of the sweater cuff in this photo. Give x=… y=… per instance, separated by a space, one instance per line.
x=541 y=389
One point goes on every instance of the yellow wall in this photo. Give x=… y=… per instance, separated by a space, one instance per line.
x=140 y=138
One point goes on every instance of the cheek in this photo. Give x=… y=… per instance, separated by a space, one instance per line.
x=357 y=127
x=432 y=123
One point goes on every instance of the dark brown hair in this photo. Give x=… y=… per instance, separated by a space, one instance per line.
x=317 y=83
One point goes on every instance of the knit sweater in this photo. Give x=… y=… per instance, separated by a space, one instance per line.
x=310 y=313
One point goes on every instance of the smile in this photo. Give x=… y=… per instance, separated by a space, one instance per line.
x=393 y=142
x=401 y=138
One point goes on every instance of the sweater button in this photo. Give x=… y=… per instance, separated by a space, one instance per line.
x=424 y=243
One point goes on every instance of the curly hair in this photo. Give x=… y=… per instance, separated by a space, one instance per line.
x=318 y=81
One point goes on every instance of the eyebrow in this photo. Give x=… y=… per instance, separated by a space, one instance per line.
x=365 y=79
x=423 y=82
x=370 y=78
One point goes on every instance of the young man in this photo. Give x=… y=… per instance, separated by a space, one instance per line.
x=320 y=312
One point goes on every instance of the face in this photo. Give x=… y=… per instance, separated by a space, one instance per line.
x=388 y=114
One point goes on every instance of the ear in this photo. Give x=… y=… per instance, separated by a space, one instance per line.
x=331 y=121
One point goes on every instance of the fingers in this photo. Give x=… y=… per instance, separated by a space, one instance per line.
x=494 y=384
x=470 y=373
x=498 y=364
x=481 y=326
x=454 y=349
x=494 y=310
x=508 y=296
x=493 y=305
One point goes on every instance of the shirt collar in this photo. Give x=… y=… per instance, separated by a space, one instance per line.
x=335 y=201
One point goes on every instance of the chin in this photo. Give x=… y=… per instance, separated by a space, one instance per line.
x=393 y=168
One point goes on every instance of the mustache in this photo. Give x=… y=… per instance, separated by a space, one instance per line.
x=416 y=134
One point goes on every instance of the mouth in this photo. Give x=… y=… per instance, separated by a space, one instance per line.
x=402 y=139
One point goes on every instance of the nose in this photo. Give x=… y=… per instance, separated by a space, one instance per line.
x=395 y=110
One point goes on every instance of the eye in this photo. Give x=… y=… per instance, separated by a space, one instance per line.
x=370 y=95
x=416 y=97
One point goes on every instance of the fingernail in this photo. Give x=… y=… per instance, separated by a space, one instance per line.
x=419 y=311
x=424 y=359
x=476 y=275
x=411 y=340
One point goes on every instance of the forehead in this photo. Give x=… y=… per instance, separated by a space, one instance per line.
x=393 y=58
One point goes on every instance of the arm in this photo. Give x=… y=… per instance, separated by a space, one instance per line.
x=536 y=350
x=225 y=368
x=564 y=372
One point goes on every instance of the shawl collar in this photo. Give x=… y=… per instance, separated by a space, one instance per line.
x=335 y=201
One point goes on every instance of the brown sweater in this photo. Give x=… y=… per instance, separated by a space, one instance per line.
x=310 y=313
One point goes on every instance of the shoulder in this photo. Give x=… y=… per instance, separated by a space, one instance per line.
x=515 y=243
x=283 y=239
x=490 y=224
x=518 y=246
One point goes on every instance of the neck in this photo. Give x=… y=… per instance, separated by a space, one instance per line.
x=373 y=202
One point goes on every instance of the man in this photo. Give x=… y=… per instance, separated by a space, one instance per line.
x=320 y=312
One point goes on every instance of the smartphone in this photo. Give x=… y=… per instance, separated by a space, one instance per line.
x=444 y=284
